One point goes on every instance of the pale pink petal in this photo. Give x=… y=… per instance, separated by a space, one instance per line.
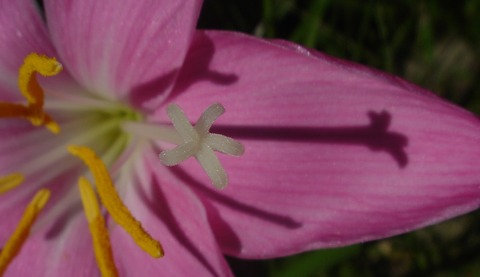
x=132 y=49
x=172 y=214
x=334 y=154
x=59 y=243
x=56 y=253
x=22 y=31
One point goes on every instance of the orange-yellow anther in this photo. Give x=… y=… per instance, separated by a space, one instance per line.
x=27 y=82
x=32 y=91
x=15 y=242
x=96 y=223
x=10 y=181
x=112 y=202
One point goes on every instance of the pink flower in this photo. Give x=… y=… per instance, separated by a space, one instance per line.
x=335 y=153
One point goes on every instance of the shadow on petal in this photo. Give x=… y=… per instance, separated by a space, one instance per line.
x=197 y=68
x=60 y=222
x=230 y=202
x=155 y=89
x=156 y=201
x=374 y=136
x=228 y=236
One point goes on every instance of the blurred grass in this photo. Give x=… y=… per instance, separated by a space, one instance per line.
x=435 y=44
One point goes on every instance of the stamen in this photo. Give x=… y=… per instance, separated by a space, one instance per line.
x=27 y=81
x=37 y=118
x=112 y=202
x=32 y=91
x=199 y=142
x=11 y=110
x=96 y=223
x=10 y=181
x=15 y=242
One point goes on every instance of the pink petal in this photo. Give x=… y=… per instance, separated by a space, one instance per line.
x=334 y=153
x=134 y=48
x=47 y=253
x=59 y=243
x=22 y=31
x=172 y=214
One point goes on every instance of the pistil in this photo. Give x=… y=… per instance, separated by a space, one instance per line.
x=200 y=143
x=192 y=141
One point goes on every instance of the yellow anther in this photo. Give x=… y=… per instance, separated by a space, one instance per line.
x=32 y=91
x=10 y=181
x=27 y=82
x=15 y=242
x=96 y=223
x=112 y=202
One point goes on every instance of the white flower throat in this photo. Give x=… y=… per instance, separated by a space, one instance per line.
x=89 y=126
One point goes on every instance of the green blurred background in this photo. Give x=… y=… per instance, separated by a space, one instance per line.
x=432 y=43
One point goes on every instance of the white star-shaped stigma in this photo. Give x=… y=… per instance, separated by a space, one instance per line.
x=200 y=143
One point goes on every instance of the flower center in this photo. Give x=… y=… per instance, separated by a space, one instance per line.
x=97 y=132
x=100 y=127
